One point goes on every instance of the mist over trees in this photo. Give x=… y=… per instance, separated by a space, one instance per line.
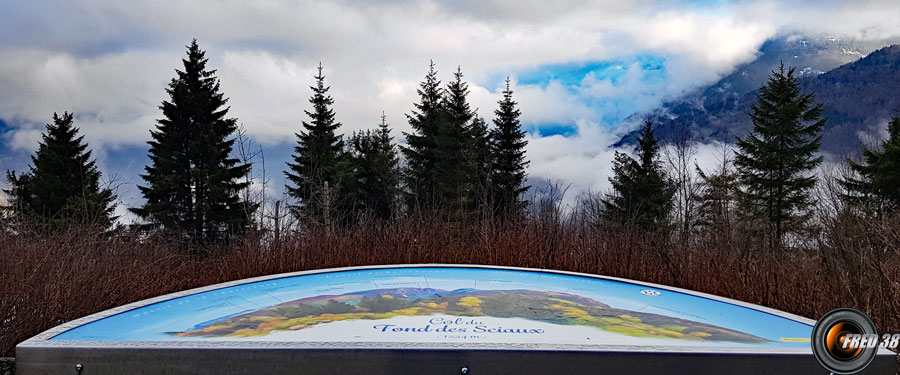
x=874 y=184
x=855 y=96
x=717 y=196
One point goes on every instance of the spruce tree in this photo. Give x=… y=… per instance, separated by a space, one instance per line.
x=455 y=186
x=377 y=175
x=876 y=183
x=508 y=156
x=319 y=168
x=193 y=183
x=642 y=194
x=479 y=159
x=62 y=186
x=775 y=162
x=422 y=150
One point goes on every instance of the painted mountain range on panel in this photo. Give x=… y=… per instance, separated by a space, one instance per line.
x=550 y=307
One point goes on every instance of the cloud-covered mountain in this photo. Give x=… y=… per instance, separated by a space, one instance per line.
x=853 y=80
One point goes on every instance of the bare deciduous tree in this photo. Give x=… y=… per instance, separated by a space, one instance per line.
x=679 y=157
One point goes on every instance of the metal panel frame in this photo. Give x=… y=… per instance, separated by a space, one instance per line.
x=40 y=355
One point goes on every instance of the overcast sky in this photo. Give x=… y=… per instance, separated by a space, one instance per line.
x=579 y=68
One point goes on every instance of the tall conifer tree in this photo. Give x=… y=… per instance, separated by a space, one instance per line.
x=193 y=183
x=62 y=186
x=876 y=184
x=775 y=161
x=319 y=168
x=508 y=156
x=642 y=194
x=422 y=150
x=478 y=155
x=377 y=175
x=455 y=185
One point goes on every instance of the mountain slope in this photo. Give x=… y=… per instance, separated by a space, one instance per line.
x=856 y=96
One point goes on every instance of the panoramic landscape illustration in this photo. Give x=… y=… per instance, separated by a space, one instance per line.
x=446 y=304
x=557 y=308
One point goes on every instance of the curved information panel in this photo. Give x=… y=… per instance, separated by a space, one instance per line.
x=449 y=305
x=402 y=315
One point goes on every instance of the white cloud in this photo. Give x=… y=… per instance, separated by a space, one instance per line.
x=717 y=41
x=865 y=20
x=583 y=160
x=267 y=93
x=114 y=96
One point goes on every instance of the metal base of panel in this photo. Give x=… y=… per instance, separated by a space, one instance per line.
x=161 y=360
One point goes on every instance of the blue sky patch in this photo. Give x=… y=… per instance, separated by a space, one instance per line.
x=572 y=74
x=639 y=82
x=547 y=130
